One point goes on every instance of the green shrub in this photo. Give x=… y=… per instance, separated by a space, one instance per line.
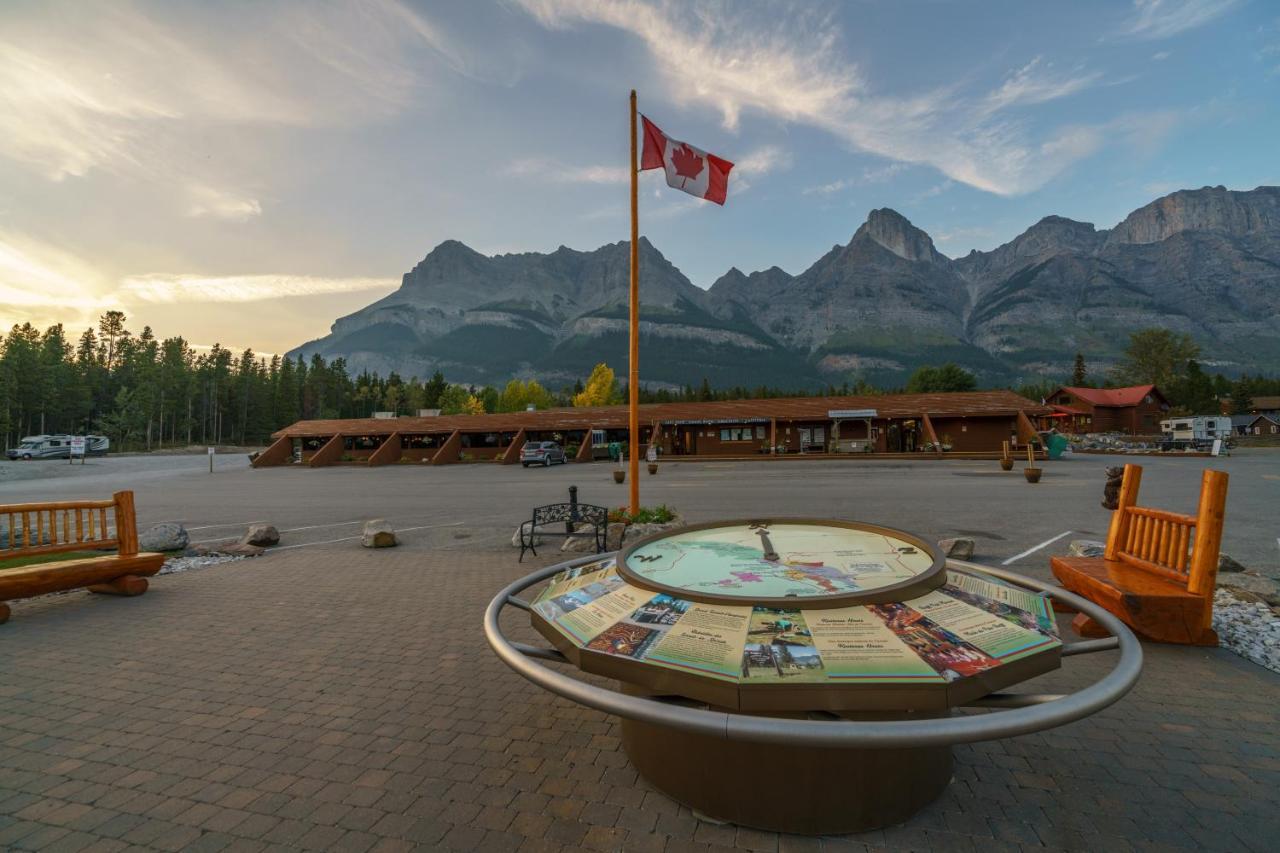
x=660 y=514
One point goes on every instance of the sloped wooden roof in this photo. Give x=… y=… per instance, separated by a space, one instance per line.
x=959 y=404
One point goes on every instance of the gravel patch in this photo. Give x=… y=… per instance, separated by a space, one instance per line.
x=185 y=564
x=1251 y=629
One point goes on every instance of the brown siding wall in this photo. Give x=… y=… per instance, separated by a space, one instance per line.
x=970 y=435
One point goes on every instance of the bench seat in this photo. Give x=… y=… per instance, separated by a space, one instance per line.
x=1156 y=608
x=63 y=575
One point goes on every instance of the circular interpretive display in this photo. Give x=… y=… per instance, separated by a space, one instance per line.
x=802 y=562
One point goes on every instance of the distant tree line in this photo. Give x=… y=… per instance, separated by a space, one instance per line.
x=146 y=393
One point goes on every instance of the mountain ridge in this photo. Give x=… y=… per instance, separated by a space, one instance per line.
x=1203 y=261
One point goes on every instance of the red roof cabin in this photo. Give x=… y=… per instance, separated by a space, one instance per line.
x=1135 y=410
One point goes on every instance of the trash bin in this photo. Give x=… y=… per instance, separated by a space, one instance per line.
x=615 y=451
x=1056 y=443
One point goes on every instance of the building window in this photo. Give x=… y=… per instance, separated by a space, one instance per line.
x=736 y=434
x=760 y=431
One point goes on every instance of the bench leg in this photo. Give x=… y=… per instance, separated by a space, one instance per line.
x=4 y=613
x=126 y=585
x=1086 y=627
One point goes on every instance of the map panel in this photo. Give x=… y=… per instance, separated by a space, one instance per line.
x=778 y=561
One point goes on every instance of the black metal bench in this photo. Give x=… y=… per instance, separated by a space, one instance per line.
x=572 y=514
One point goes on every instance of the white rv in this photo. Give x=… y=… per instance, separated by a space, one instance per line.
x=56 y=447
x=1197 y=428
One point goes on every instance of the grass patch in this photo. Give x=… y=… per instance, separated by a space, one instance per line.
x=37 y=559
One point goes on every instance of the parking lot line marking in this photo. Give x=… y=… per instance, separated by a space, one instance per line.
x=349 y=538
x=215 y=526
x=1031 y=551
x=317 y=526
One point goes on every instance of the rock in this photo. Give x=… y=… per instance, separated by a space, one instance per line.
x=262 y=535
x=959 y=548
x=639 y=531
x=1226 y=564
x=614 y=535
x=1265 y=588
x=230 y=549
x=378 y=533
x=537 y=538
x=1086 y=548
x=166 y=536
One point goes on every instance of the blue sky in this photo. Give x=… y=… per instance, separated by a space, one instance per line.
x=246 y=172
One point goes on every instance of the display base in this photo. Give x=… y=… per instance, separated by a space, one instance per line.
x=785 y=788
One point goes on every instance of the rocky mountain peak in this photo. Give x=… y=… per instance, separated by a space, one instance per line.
x=895 y=232
x=1206 y=209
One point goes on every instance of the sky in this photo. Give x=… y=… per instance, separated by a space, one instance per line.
x=246 y=172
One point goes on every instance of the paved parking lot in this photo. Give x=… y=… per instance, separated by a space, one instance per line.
x=466 y=506
x=335 y=698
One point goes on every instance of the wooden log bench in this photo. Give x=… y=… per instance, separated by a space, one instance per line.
x=59 y=528
x=1160 y=568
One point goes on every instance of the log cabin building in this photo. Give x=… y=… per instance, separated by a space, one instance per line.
x=1135 y=410
x=966 y=422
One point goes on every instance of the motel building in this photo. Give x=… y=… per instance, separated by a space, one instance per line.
x=971 y=423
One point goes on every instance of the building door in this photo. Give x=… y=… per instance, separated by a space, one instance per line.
x=690 y=441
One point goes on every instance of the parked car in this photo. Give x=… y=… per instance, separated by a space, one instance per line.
x=541 y=453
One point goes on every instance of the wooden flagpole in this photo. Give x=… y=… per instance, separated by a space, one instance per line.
x=633 y=381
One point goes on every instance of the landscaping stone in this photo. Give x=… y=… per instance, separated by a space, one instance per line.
x=1226 y=564
x=262 y=535
x=537 y=538
x=1251 y=629
x=378 y=533
x=1086 y=548
x=176 y=565
x=166 y=536
x=1265 y=588
x=958 y=548
x=230 y=549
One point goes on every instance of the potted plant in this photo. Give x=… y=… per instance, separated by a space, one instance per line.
x=620 y=473
x=1006 y=461
x=653 y=467
x=946 y=442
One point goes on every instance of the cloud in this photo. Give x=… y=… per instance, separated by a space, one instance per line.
x=159 y=288
x=220 y=204
x=1031 y=85
x=554 y=171
x=1160 y=19
x=787 y=63
x=870 y=175
x=1161 y=55
x=762 y=161
x=144 y=91
x=43 y=284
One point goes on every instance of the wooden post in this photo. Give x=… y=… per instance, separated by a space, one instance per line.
x=512 y=454
x=1031 y=456
x=389 y=451
x=1026 y=430
x=633 y=383
x=126 y=524
x=1120 y=519
x=448 y=452
x=1204 y=554
x=773 y=436
x=584 y=449
x=277 y=454
x=1004 y=450
x=931 y=433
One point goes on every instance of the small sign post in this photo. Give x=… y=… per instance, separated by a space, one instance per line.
x=77 y=449
x=211 y=460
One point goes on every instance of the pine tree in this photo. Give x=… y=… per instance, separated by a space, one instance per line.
x=1078 y=372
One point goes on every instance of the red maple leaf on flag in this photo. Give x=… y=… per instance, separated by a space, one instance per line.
x=688 y=164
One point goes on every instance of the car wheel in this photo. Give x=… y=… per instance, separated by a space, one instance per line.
x=26 y=456
x=546 y=463
x=524 y=464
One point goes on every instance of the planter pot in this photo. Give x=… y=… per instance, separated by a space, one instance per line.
x=619 y=476
x=1006 y=464
x=1032 y=474
x=653 y=467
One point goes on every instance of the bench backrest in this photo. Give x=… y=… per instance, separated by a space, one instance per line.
x=1169 y=544
x=53 y=528
x=552 y=513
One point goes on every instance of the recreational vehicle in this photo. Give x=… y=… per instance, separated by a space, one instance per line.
x=56 y=447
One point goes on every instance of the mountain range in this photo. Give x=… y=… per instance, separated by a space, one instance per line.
x=1205 y=262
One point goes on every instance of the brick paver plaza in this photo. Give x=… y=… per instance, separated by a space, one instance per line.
x=341 y=699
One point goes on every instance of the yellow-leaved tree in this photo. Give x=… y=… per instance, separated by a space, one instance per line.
x=475 y=406
x=601 y=388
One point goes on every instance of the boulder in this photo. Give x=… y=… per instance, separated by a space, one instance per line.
x=230 y=549
x=378 y=533
x=639 y=531
x=1086 y=548
x=537 y=537
x=166 y=536
x=261 y=535
x=1264 y=588
x=959 y=548
x=1226 y=564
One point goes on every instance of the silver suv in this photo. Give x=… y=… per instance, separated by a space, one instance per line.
x=541 y=453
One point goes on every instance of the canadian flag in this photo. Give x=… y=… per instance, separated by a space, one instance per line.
x=690 y=169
